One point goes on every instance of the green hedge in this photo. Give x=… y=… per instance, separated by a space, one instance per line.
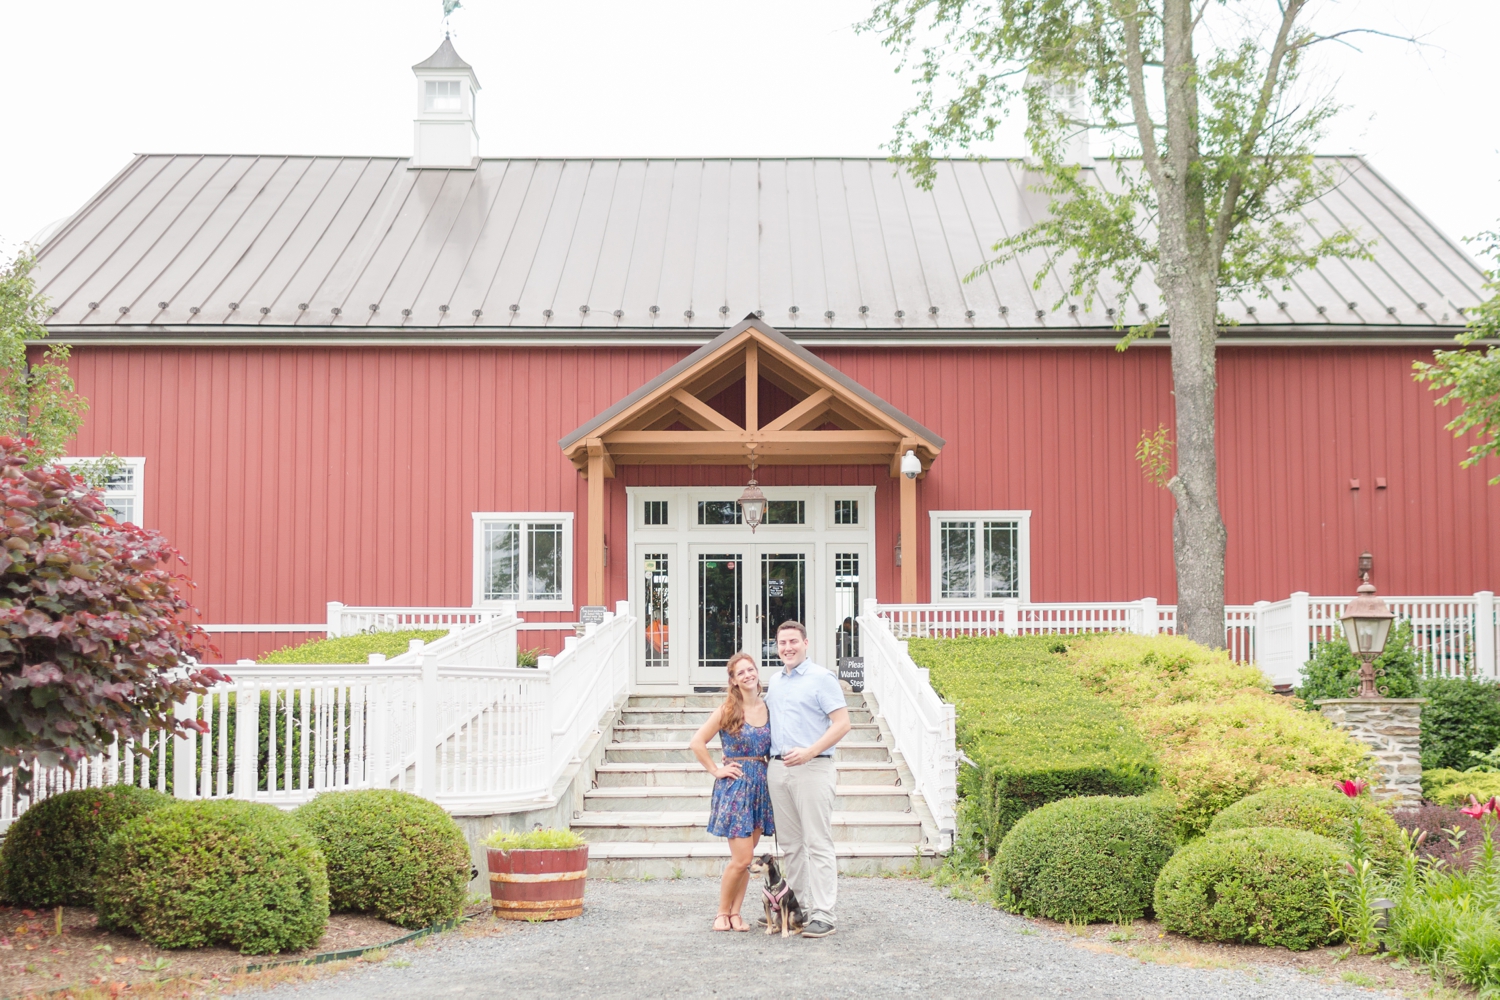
x=1034 y=733
x=390 y=853
x=1264 y=885
x=1460 y=715
x=1086 y=859
x=53 y=849
x=193 y=874
x=350 y=648
x=1322 y=811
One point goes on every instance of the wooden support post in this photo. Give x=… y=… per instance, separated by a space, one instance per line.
x=752 y=387
x=908 y=540
x=597 y=457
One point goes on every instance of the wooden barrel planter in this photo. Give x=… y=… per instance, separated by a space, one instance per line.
x=538 y=885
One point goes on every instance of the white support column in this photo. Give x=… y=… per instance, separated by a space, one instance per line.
x=1010 y=615
x=246 y=736
x=335 y=619
x=426 y=777
x=1257 y=636
x=1485 y=664
x=184 y=752
x=1302 y=644
x=1150 y=623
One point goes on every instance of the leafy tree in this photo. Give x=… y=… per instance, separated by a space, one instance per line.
x=93 y=639
x=37 y=397
x=1471 y=377
x=1205 y=100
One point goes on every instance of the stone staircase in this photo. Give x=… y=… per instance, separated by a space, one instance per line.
x=647 y=809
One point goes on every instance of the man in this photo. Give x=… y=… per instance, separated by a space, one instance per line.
x=808 y=717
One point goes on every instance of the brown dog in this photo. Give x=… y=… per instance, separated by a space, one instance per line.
x=783 y=913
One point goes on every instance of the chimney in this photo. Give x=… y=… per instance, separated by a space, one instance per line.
x=445 y=136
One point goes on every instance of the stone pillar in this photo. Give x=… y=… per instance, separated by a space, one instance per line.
x=1391 y=728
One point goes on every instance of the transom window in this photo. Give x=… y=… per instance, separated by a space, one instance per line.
x=526 y=558
x=846 y=512
x=654 y=512
x=728 y=512
x=443 y=95
x=980 y=555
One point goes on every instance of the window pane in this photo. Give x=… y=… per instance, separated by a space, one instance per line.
x=1001 y=559
x=655 y=512
x=786 y=511
x=657 y=609
x=846 y=512
x=846 y=604
x=718 y=512
x=122 y=507
x=502 y=561
x=544 y=562
x=956 y=548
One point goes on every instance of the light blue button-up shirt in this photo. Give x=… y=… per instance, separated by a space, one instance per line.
x=800 y=703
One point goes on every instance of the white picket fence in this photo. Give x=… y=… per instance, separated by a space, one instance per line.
x=455 y=721
x=1454 y=636
x=922 y=725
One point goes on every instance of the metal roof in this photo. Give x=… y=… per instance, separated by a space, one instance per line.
x=445 y=56
x=301 y=245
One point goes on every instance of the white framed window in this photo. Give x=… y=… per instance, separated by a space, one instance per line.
x=980 y=556
x=526 y=558
x=443 y=95
x=125 y=492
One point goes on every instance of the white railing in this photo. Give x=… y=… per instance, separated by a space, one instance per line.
x=454 y=720
x=344 y=619
x=1453 y=635
x=922 y=724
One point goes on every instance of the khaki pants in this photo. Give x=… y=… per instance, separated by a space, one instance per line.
x=802 y=798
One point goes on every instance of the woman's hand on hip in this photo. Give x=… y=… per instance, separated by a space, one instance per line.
x=730 y=770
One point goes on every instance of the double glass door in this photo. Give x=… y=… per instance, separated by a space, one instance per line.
x=744 y=592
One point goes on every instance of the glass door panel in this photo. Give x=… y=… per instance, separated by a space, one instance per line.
x=720 y=609
x=846 y=597
x=783 y=597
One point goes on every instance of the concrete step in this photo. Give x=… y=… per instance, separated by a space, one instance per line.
x=664 y=827
x=637 y=859
x=638 y=774
x=666 y=798
x=696 y=716
x=867 y=732
x=708 y=700
x=676 y=751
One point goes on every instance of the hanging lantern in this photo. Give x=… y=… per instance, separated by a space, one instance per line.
x=753 y=506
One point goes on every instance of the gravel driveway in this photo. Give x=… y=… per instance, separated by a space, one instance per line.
x=896 y=937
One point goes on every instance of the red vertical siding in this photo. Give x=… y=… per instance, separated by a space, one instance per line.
x=294 y=476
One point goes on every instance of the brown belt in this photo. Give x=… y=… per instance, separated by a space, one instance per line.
x=763 y=760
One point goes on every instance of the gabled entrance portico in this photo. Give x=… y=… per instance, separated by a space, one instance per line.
x=751 y=397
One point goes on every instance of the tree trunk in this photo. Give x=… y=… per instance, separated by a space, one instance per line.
x=1188 y=275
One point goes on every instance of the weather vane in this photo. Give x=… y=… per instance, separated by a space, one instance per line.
x=449 y=6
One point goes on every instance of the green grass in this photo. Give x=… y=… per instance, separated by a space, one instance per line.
x=350 y=648
x=1034 y=732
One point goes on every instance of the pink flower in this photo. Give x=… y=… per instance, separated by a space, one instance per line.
x=1353 y=789
x=1476 y=809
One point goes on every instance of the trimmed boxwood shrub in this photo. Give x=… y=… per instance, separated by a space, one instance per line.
x=1318 y=810
x=1460 y=715
x=1264 y=885
x=193 y=874
x=351 y=648
x=53 y=849
x=390 y=853
x=1034 y=733
x=1086 y=859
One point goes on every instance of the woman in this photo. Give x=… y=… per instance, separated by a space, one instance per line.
x=741 y=808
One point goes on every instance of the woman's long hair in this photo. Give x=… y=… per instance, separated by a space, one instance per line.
x=733 y=715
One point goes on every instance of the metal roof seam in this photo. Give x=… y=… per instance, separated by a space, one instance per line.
x=159 y=237
x=109 y=187
x=392 y=178
x=291 y=230
x=467 y=178
x=1458 y=251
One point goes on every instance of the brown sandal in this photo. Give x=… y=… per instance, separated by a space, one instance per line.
x=727 y=919
x=741 y=926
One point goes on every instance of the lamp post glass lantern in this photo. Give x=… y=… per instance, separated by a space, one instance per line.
x=1367 y=623
x=753 y=505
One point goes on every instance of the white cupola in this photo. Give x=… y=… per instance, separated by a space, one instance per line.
x=445 y=133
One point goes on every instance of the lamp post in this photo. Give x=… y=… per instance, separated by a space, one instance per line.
x=1367 y=622
x=752 y=502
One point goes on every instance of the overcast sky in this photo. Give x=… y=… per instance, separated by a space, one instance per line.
x=93 y=81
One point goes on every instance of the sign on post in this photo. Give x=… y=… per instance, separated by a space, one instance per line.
x=592 y=614
x=852 y=670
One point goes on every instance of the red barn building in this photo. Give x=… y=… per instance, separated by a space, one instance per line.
x=452 y=381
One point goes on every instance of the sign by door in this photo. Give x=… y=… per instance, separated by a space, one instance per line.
x=775 y=588
x=852 y=670
x=591 y=614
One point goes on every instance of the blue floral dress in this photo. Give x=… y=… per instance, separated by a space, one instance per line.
x=742 y=805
